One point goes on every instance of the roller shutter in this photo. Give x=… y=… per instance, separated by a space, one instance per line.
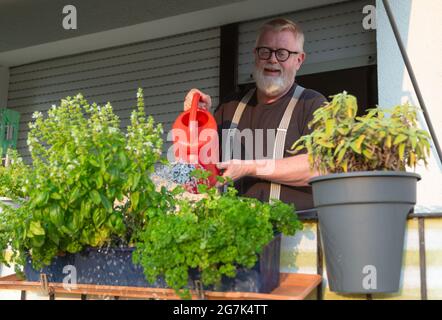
x=334 y=39
x=166 y=68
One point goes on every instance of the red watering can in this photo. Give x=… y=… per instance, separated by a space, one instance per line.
x=195 y=139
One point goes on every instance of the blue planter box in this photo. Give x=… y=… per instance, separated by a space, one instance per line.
x=54 y=271
x=262 y=278
x=111 y=266
x=114 y=267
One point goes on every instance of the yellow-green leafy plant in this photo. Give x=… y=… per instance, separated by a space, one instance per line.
x=379 y=140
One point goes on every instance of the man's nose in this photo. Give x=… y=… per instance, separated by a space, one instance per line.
x=273 y=58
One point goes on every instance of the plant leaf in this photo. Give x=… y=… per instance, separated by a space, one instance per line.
x=356 y=145
x=95 y=196
x=56 y=216
x=400 y=138
x=36 y=229
x=401 y=151
x=134 y=198
x=368 y=153
x=329 y=126
x=99 y=217
x=388 y=142
x=106 y=203
x=341 y=155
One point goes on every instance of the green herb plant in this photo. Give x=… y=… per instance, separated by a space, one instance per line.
x=213 y=236
x=83 y=164
x=380 y=140
x=13 y=181
x=13 y=177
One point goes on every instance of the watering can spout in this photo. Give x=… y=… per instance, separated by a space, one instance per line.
x=195 y=139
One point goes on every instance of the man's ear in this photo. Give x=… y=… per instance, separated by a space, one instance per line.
x=300 y=60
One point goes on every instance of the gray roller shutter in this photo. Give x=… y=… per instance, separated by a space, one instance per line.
x=166 y=68
x=335 y=39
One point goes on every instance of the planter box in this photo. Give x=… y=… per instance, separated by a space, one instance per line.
x=362 y=217
x=114 y=266
x=262 y=278
x=54 y=271
x=111 y=266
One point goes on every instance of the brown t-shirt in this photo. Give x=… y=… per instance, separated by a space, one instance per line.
x=268 y=116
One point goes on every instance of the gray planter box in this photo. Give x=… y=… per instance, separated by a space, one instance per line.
x=362 y=218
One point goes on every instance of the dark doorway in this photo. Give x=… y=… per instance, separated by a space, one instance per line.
x=360 y=82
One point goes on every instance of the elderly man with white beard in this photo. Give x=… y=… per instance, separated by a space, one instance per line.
x=275 y=114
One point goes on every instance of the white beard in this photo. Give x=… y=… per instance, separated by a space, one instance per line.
x=270 y=85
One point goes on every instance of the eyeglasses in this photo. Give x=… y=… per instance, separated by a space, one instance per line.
x=281 y=55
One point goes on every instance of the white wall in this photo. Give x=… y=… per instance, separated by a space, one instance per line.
x=4 y=84
x=420 y=25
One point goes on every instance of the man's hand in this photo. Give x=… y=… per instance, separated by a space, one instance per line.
x=236 y=169
x=292 y=171
x=204 y=103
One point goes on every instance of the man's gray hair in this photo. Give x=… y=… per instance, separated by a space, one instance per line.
x=280 y=24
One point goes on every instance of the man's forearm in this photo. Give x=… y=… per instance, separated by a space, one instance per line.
x=292 y=171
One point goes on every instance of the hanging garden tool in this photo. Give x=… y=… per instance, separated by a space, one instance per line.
x=195 y=141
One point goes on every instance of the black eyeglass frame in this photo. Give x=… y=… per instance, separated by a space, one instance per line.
x=276 y=53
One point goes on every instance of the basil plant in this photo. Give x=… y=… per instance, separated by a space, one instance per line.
x=89 y=183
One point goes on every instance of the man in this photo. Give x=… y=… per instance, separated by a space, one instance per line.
x=279 y=54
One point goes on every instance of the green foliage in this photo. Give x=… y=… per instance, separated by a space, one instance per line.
x=379 y=140
x=214 y=235
x=83 y=164
x=13 y=226
x=89 y=185
x=13 y=177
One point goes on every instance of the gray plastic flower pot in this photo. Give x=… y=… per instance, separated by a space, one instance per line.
x=362 y=218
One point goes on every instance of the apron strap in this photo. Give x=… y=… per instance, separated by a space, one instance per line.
x=228 y=154
x=278 y=150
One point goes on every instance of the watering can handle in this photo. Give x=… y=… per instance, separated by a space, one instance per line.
x=194 y=108
x=193 y=126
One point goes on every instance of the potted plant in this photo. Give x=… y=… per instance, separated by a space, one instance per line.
x=91 y=202
x=364 y=194
x=83 y=164
x=217 y=240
